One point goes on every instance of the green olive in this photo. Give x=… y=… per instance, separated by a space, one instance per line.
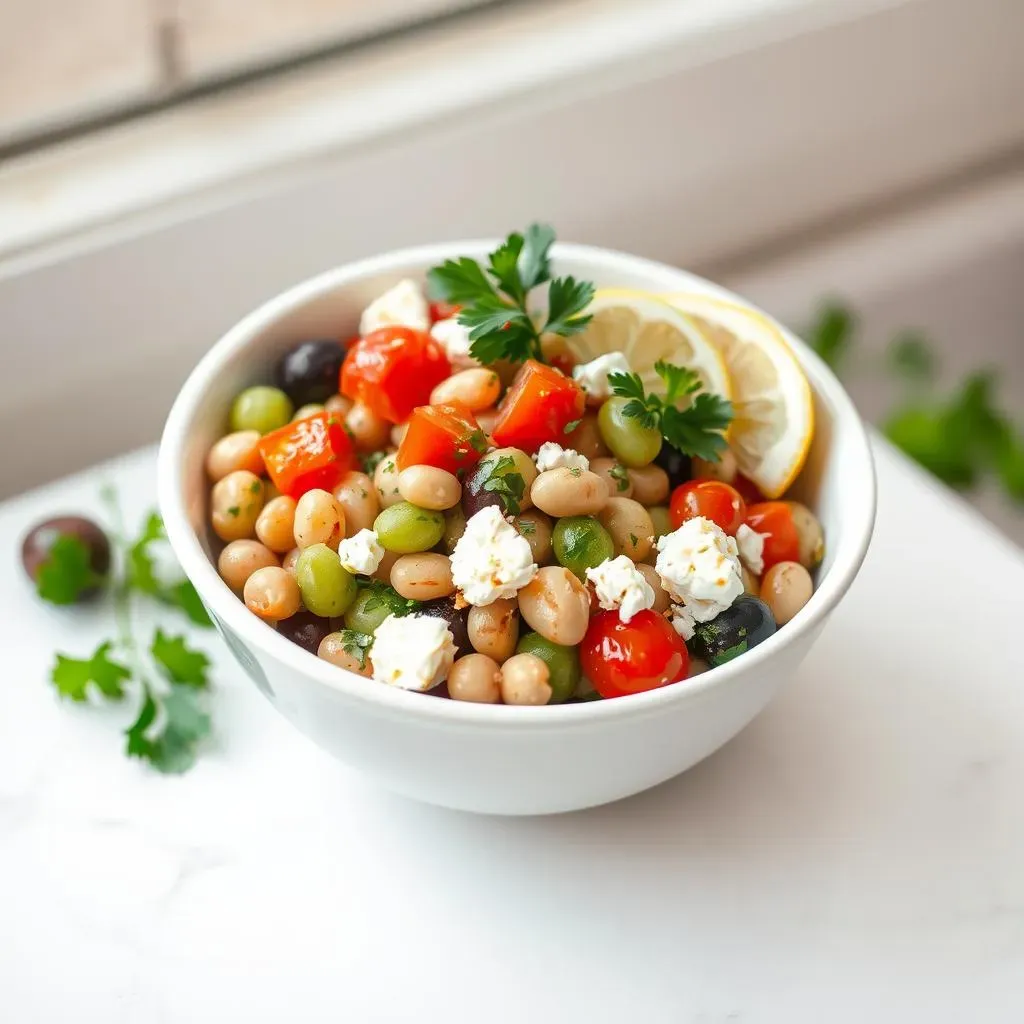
x=327 y=587
x=261 y=408
x=405 y=528
x=563 y=663
x=662 y=523
x=373 y=604
x=629 y=440
x=580 y=543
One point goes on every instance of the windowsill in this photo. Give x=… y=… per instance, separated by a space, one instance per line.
x=231 y=146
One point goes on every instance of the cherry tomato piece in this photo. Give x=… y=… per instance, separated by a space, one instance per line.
x=443 y=311
x=446 y=436
x=749 y=491
x=774 y=519
x=712 y=499
x=620 y=658
x=311 y=452
x=393 y=370
x=538 y=407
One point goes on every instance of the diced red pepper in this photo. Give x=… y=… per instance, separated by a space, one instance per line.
x=538 y=407
x=446 y=436
x=393 y=370
x=311 y=452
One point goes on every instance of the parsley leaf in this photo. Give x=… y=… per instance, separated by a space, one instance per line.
x=534 y=265
x=509 y=485
x=178 y=661
x=384 y=596
x=571 y=426
x=67 y=571
x=371 y=461
x=357 y=644
x=567 y=298
x=458 y=281
x=831 y=334
x=172 y=749
x=72 y=676
x=620 y=475
x=912 y=357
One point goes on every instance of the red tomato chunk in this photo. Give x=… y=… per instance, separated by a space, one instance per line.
x=541 y=403
x=712 y=499
x=781 y=541
x=445 y=436
x=311 y=452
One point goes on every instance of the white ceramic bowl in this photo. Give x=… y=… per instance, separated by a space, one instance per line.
x=497 y=759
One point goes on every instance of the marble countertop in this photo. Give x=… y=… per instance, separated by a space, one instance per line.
x=854 y=855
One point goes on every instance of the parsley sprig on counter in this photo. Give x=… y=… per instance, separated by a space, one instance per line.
x=494 y=299
x=696 y=429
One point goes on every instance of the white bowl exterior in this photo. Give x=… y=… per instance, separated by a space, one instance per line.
x=483 y=758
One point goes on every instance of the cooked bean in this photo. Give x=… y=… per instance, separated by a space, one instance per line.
x=275 y=525
x=476 y=678
x=525 y=679
x=342 y=650
x=661 y=519
x=406 y=528
x=398 y=432
x=307 y=410
x=563 y=663
x=385 y=479
x=650 y=485
x=494 y=629
x=629 y=440
x=586 y=438
x=661 y=598
x=751 y=583
x=569 y=492
x=369 y=431
x=240 y=559
x=387 y=563
x=422 y=577
x=339 y=405
x=373 y=604
x=327 y=587
x=502 y=478
x=615 y=475
x=536 y=527
x=319 y=519
x=454 y=528
x=786 y=588
x=272 y=594
x=725 y=469
x=290 y=559
x=812 y=538
x=476 y=389
x=232 y=452
x=270 y=491
x=235 y=503
x=630 y=526
x=358 y=499
x=430 y=487
x=556 y=605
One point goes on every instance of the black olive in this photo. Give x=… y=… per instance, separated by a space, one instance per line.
x=67 y=579
x=305 y=629
x=309 y=372
x=457 y=619
x=675 y=463
x=747 y=622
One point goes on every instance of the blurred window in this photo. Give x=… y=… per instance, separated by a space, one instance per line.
x=71 y=63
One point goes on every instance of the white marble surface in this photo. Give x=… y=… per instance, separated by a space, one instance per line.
x=855 y=855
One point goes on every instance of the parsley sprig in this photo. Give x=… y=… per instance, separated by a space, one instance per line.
x=694 y=430
x=169 y=679
x=494 y=300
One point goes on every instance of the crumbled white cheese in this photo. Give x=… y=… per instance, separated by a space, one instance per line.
x=618 y=583
x=551 y=456
x=491 y=559
x=454 y=339
x=750 y=545
x=404 y=305
x=361 y=553
x=414 y=652
x=700 y=568
x=682 y=621
x=593 y=376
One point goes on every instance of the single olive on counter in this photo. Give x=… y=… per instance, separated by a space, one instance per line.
x=457 y=619
x=67 y=557
x=747 y=622
x=308 y=373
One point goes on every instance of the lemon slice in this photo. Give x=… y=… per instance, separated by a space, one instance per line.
x=645 y=328
x=773 y=426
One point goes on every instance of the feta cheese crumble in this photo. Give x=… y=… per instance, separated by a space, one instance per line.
x=682 y=622
x=454 y=339
x=551 y=456
x=593 y=376
x=618 y=583
x=750 y=545
x=491 y=559
x=700 y=568
x=404 y=305
x=414 y=652
x=362 y=553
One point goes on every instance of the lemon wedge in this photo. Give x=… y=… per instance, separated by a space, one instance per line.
x=773 y=426
x=646 y=329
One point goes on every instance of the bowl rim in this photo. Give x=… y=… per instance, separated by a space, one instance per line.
x=257 y=635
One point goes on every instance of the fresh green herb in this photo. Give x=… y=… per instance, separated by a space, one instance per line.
x=507 y=484
x=171 y=688
x=571 y=426
x=832 y=333
x=620 y=475
x=256 y=487
x=912 y=358
x=576 y=471
x=633 y=539
x=477 y=441
x=494 y=302
x=357 y=644
x=695 y=430
x=371 y=461
x=384 y=596
x=67 y=571
x=234 y=511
